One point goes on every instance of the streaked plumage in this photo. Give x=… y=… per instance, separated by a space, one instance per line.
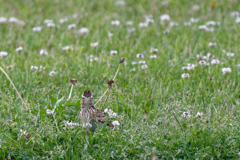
x=90 y=116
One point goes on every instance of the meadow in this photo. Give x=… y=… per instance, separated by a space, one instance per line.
x=176 y=95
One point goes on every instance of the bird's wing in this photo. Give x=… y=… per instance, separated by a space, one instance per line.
x=99 y=116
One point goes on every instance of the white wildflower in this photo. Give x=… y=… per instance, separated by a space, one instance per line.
x=187 y=23
x=50 y=24
x=144 y=66
x=215 y=62
x=71 y=124
x=196 y=7
x=193 y=20
x=113 y=52
x=237 y=20
x=234 y=13
x=111 y=113
x=95 y=58
x=140 y=55
x=203 y=27
x=226 y=70
x=129 y=23
x=43 y=51
x=213 y=23
x=71 y=26
x=132 y=70
x=230 y=54
x=46 y=21
x=19 y=49
x=172 y=24
x=166 y=31
x=186 y=115
x=142 y=62
x=211 y=44
x=131 y=30
x=185 y=75
x=165 y=17
x=154 y=50
x=110 y=34
x=203 y=63
x=143 y=24
x=153 y=56
x=3 y=54
x=13 y=20
x=115 y=123
x=83 y=31
x=133 y=63
x=63 y=20
x=9 y=67
x=36 y=29
x=120 y=3
x=34 y=68
x=66 y=48
x=199 y=114
x=52 y=73
x=115 y=23
x=3 y=20
x=94 y=44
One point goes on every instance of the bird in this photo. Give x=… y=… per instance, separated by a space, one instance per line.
x=90 y=116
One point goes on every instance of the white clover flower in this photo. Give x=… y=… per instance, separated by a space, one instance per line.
x=226 y=70
x=52 y=73
x=110 y=34
x=133 y=63
x=166 y=31
x=210 y=29
x=165 y=17
x=234 y=13
x=203 y=27
x=172 y=24
x=186 y=115
x=212 y=44
x=66 y=48
x=143 y=24
x=71 y=124
x=120 y=3
x=115 y=123
x=215 y=62
x=184 y=68
x=199 y=56
x=237 y=20
x=9 y=67
x=50 y=24
x=230 y=54
x=193 y=20
x=132 y=70
x=144 y=66
x=63 y=20
x=41 y=68
x=13 y=20
x=142 y=62
x=48 y=111
x=164 y=3
x=153 y=56
x=34 y=68
x=113 y=52
x=213 y=23
x=203 y=63
x=111 y=113
x=196 y=7
x=36 y=29
x=18 y=49
x=71 y=26
x=3 y=54
x=187 y=23
x=131 y=30
x=140 y=55
x=149 y=20
x=3 y=20
x=190 y=67
x=129 y=23
x=199 y=114
x=94 y=44
x=154 y=50
x=43 y=51
x=95 y=58
x=115 y=23
x=21 y=23
x=185 y=75
x=48 y=21
x=204 y=57
x=83 y=31
x=209 y=56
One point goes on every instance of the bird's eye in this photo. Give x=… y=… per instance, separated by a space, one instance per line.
x=82 y=98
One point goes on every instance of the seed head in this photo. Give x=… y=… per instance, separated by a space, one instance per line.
x=110 y=82
x=122 y=60
x=73 y=81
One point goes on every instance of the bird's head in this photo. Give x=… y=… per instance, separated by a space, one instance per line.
x=87 y=99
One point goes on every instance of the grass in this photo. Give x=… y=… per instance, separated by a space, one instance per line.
x=149 y=102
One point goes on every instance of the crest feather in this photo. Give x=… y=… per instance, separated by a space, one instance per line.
x=87 y=93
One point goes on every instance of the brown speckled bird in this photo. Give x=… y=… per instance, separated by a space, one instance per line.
x=90 y=116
